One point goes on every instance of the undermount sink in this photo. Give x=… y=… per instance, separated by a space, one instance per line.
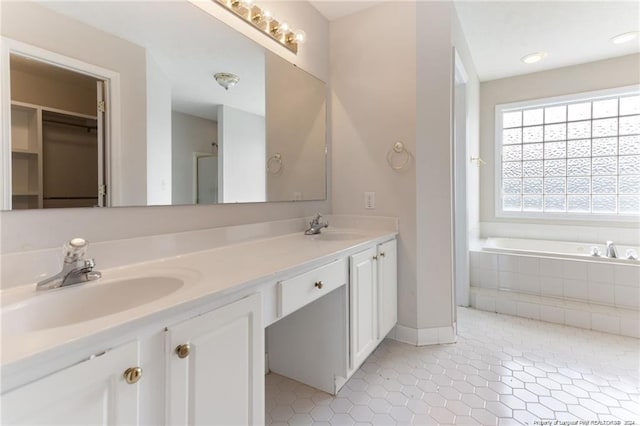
x=84 y=302
x=338 y=236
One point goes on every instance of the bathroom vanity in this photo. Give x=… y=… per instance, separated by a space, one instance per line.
x=181 y=340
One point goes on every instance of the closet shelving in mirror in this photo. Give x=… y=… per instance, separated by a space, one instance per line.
x=264 y=21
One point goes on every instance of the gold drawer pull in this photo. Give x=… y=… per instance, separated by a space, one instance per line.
x=183 y=350
x=132 y=375
x=319 y=285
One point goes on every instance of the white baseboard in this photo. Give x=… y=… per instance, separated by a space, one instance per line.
x=424 y=336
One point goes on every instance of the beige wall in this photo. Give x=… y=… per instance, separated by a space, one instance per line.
x=36 y=25
x=21 y=231
x=64 y=91
x=610 y=73
x=296 y=129
x=373 y=104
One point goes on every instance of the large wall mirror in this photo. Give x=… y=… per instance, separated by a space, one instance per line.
x=116 y=104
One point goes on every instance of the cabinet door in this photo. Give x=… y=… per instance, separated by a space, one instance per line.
x=220 y=379
x=363 y=304
x=387 y=287
x=93 y=392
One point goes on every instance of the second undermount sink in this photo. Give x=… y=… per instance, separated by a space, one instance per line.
x=337 y=235
x=72 y=305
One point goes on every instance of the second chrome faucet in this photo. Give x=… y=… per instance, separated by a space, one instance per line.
x=75 y=268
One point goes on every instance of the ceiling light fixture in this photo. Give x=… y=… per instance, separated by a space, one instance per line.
x=532 y=58
x=624 y=37
x=226 y=79
x=264 y=21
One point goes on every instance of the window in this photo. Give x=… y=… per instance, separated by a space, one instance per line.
x=571 y=156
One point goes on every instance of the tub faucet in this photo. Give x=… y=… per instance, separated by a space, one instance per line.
x=75 y=269
x=611 y=250
x=315 y=226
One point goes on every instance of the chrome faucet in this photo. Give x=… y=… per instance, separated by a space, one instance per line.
x=75 y=269
x=611 y=250
x=315 y=226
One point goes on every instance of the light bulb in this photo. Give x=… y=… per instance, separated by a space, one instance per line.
x=246 y=3
x=267 y=16
x=283 y=28
x=300 y=36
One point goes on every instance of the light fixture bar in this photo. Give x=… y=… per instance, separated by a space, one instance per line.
x=264 y=21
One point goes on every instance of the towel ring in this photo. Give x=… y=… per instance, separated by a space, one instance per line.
x=274 y=164
x=398 y=148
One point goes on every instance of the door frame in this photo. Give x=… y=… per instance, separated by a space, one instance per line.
x=112 y=127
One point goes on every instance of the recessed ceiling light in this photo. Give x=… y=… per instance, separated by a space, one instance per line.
x=532 y=58
x=624 y=37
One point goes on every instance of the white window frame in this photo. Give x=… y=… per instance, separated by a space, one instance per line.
x=545 y=102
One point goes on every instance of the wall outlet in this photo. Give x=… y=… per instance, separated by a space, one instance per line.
x=369 y=200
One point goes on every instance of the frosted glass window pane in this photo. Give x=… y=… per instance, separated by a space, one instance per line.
x=604 y=146
x=579 y=203
x=511 y=136
x=605 y=127
x=630 y=125
x=512 y=203
x=630 y=105
x=629 y=204
x=555 y=114
x=532 y=134
x=532 y=151
x=555 y=132
x=555 y=167
x=580 y=111
x=532 y=168
x=511 y=186
x=554 y=203
x=578 y=185
x=605 y=108
x=629 y=184
x=555 y=150
x=512 y=152
x=554 y=186
x=532 y=203
x=604 y=184
x=630 y=165
x=532 y=117
x=532 y=186
x=629 y=145
x=604 y=165
x=579 y=148
x=511 y=170
x=604 y=203
x=579 y=166
x=579 y=130
x=512 y=119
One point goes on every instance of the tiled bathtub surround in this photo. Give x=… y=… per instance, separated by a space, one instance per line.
x=591 y=294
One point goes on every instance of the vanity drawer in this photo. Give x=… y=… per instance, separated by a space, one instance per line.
x=298 y=291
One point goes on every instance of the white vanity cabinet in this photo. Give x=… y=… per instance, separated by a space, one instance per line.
x=215 y=373
x=373 y=297
x=92 y=392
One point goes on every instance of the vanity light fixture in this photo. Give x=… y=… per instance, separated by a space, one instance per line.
x=532 y=58
x=624 y=37
x=264 y=21
x=226 y=79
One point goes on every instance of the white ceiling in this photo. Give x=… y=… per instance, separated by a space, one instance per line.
x=189 y=46
x=500 y=33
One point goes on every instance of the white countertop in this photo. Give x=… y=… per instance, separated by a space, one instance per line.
x=207 y=275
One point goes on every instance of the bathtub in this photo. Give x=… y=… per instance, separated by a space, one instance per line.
x=557 y=282
x=560 y=249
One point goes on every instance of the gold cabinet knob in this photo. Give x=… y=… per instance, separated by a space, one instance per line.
x=382 y=254
x=375 y=257
x=183 y=350
x=132 y=375
x=319 y=284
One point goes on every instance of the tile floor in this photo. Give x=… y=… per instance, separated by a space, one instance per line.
x=503 y=370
